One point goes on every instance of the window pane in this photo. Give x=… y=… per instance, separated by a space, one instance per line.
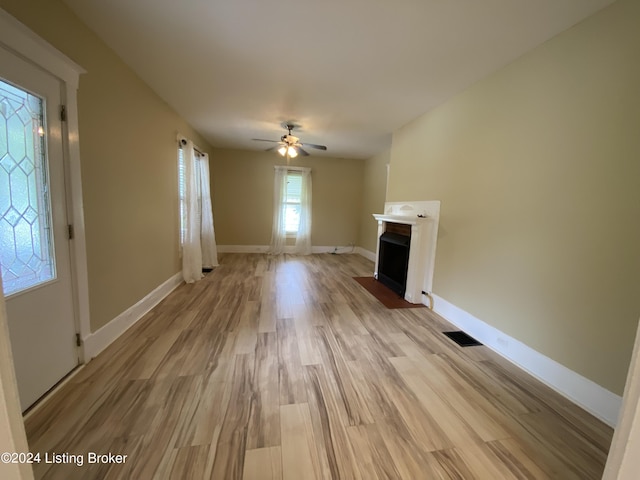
x=294 y=187
x=26 y=244
x=182 y=190
x=181 y=195
x=292 y=217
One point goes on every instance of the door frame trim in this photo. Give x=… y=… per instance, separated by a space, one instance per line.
x=18 y=38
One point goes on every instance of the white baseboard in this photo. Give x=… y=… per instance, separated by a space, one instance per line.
x=242 y=248
x=585 y=393
x=288 y=249
x=97 y=341
x=340 y=250
x=366 y=254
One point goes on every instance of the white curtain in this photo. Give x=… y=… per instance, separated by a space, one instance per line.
x=303 y=237
x=199 y=243
x=280 y=200
x=207 y=233
x=191 y=248
x=279 y=231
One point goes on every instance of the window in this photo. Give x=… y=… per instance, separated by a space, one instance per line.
x=292 y=202
x=182 y=188
x=292 y=210
x=181 y=195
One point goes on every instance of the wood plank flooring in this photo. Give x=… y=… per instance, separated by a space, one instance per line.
x=285 y=368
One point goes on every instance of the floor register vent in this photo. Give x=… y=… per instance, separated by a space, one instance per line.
x=462 y=339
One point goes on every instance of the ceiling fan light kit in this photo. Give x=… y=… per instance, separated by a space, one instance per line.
x=290 y=151
x=290 y=145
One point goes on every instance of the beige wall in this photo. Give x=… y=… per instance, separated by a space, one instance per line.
x=242 y=197
x=373 y=198
x=128 y=156
x=538 y=171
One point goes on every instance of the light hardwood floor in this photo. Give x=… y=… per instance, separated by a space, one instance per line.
x=286 y=368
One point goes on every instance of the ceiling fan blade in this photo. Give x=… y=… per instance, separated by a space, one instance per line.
x=270 y=149
x=319 y=147
x=302 y=151
x=263 y=140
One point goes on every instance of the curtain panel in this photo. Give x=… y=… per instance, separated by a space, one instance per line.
x=303 y=236
x=207 y=233
x=199 y=244
x=191 y=247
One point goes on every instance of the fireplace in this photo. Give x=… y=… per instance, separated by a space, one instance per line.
x=394 y=260
x=407 y=235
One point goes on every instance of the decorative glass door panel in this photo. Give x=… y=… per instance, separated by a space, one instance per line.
x=26 y=242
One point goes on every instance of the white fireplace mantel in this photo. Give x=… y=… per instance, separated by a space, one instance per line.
x=423 y=218
x=399 y=219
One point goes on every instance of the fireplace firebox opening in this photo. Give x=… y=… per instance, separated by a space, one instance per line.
x=393 y=262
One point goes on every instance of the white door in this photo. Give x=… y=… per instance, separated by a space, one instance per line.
x=34 y=244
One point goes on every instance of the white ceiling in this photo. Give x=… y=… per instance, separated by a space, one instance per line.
x=349 y=72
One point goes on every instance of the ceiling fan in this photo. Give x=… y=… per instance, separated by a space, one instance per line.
x=289 y=145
